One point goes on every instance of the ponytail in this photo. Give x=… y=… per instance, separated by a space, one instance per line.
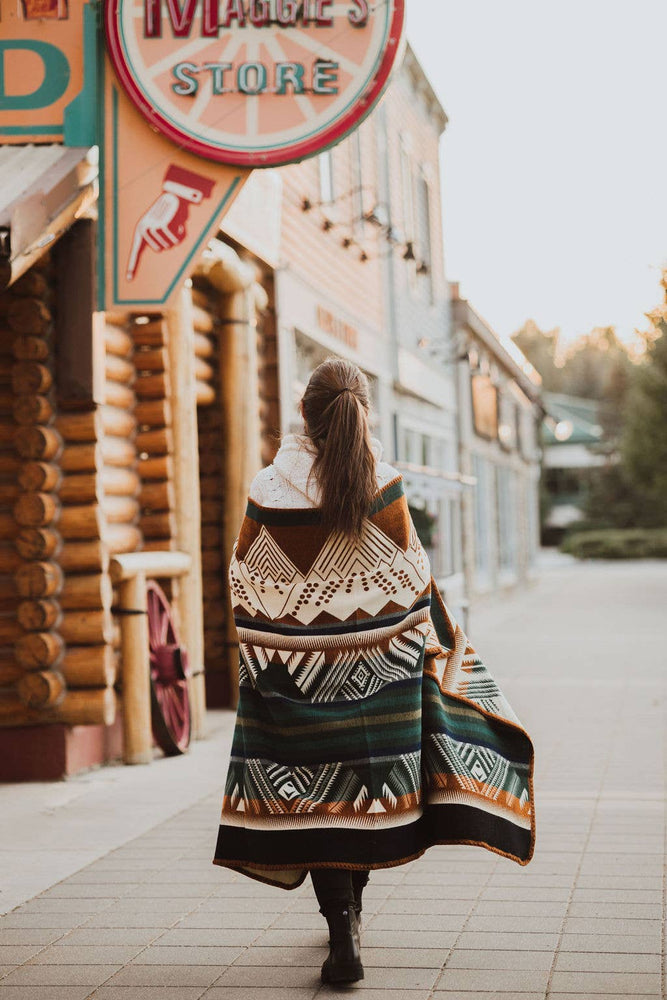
x=335 y=409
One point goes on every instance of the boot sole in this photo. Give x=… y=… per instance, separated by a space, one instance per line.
x=345 y=974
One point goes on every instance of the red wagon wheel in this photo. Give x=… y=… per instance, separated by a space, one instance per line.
x=170 y=703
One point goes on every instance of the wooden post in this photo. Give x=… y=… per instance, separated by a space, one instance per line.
x=137 y=733
x=242 y=457
x=181 y=352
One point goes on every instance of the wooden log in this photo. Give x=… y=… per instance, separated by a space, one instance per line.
x=118 y=341
x=7 y=434
x=212 y=561
x=153 y=413
x=118 y=421
x=149 y=334
x=9 y=493
x=111 y=481
x=214 y=615
x=9 y=464
x=151 y=360
x=155 y=442
x=84 y=488
x=10 y=630
x=137 y=737
x=29 y=316
x=81 y=521
x=214 y=586
x=38 y=649
x=160 y=545
x=204 y=346
x=36 y=510
x=8 y=595
x=79 y=426
x=39 y=477
x=38 y=442
x=31 y=377
x=82 y=557
x=119 y=395
x=39 y=615
x=87 y=591
x=90 y=666
x=37 y=543
x=32 y=284
x=86 y=707
x=31 y=349
x=41 y=688
x=160 y=525
x=39 y=579
x=210 y=512
x=28 y=410
x=115 y=318
x=7 y=526
x=118 y=451
x=9 y=674
x=86 y=628
x=211 y=487
x=6 y=401
x=210 y=462
x=117 y=481
x=203 y=370
x=120 y=510
x=157 y=496
x=211 y=536
x=121 y=538
x=152 y=386
x=202 y=319
x=118 y=369
x=205 y=394
x=160 y=467
x=81 y=458
x=10 y=560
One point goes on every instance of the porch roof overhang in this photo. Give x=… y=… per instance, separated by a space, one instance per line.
x=43 y=190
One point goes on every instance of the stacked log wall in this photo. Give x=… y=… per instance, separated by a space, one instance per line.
x=211 y=487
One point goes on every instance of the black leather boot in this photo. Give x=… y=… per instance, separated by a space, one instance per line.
x=343 y=964
x=359 y=882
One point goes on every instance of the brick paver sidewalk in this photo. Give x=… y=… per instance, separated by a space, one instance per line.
x=582 y=657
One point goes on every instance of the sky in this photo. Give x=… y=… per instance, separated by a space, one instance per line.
x=555 y=157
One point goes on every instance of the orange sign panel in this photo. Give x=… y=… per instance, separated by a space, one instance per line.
x=161 y=206
x=42 y=45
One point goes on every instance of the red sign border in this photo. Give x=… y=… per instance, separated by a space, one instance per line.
x=272 y=158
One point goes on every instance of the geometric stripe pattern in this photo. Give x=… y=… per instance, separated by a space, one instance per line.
x=363 y=709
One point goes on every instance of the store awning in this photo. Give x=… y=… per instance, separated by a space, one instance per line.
x=43 y=190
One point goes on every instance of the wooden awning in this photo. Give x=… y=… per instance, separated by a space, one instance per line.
x=43 y=190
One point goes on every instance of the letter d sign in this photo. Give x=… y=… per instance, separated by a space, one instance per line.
x=52 y=87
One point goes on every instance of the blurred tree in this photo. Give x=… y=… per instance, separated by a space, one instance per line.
x=541 y=349
x=644 y=440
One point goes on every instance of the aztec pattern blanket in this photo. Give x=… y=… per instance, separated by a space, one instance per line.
x=368 y=729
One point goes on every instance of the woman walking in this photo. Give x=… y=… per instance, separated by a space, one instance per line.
x=367 y=729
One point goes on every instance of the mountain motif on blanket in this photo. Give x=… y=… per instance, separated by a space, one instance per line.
x=367 y=577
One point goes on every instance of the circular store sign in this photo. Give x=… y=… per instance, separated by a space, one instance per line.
x=255 y=83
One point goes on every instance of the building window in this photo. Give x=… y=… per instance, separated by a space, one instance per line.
x=482 y=534
x=424 y=235
x=327 y=189
x=506 y=507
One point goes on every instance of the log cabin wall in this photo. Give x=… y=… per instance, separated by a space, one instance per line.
x=211 y=486
x=269 y=385
x=154 y=437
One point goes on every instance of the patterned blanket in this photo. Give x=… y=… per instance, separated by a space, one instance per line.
x=368 y=729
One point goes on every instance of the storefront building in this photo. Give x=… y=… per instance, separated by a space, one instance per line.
x=500 y=412
x=139 y=351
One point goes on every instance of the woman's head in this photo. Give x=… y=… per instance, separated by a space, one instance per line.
x=335 y=409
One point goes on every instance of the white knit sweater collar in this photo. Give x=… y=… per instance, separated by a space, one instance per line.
x=294 y=462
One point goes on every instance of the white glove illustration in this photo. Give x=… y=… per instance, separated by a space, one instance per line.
x=162 y=226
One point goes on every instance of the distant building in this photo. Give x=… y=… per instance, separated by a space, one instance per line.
x=572 y=439
x=500 y=410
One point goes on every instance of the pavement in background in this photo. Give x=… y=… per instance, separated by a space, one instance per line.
x=131 y=908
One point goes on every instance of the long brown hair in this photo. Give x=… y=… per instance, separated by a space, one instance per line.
x=335 y=409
